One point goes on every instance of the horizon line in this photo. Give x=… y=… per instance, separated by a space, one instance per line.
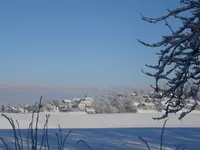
x=10 y=85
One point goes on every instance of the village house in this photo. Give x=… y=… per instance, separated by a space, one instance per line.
x=27 y=108
x=155 y=95
x=12 y=109
x=146 y=105
x=145 y=95
x=20 y=110
x=66 y=103
x=76 y=99
x=90 y=110
x=75 y=102
x=149 y=100
x=85 y=103
x=65 y=106
x=50 y=107
x=47 y=107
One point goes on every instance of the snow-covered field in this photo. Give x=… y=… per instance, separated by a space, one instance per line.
x=142 y=119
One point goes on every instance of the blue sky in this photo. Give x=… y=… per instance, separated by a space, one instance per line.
x=86 y=43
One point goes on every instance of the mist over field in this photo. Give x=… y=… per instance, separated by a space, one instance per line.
x=26 y=94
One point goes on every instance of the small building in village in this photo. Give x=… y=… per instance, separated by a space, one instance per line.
x=146 y=105
x=90 y=110
x=50 y=107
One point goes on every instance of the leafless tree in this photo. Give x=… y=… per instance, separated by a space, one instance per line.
x=178 y=63
x=103 y=106
x=115 y=104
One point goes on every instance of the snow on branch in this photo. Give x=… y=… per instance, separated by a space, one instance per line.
x=178 y=63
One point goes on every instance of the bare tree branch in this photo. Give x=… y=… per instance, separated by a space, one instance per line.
x=81 y=141
x=145 y=142
x=4 y=143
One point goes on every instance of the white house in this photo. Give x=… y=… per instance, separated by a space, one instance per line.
x=13 y=109
x=87 y=103
x=149 y=105
x=21 y=110
x=90 y=110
